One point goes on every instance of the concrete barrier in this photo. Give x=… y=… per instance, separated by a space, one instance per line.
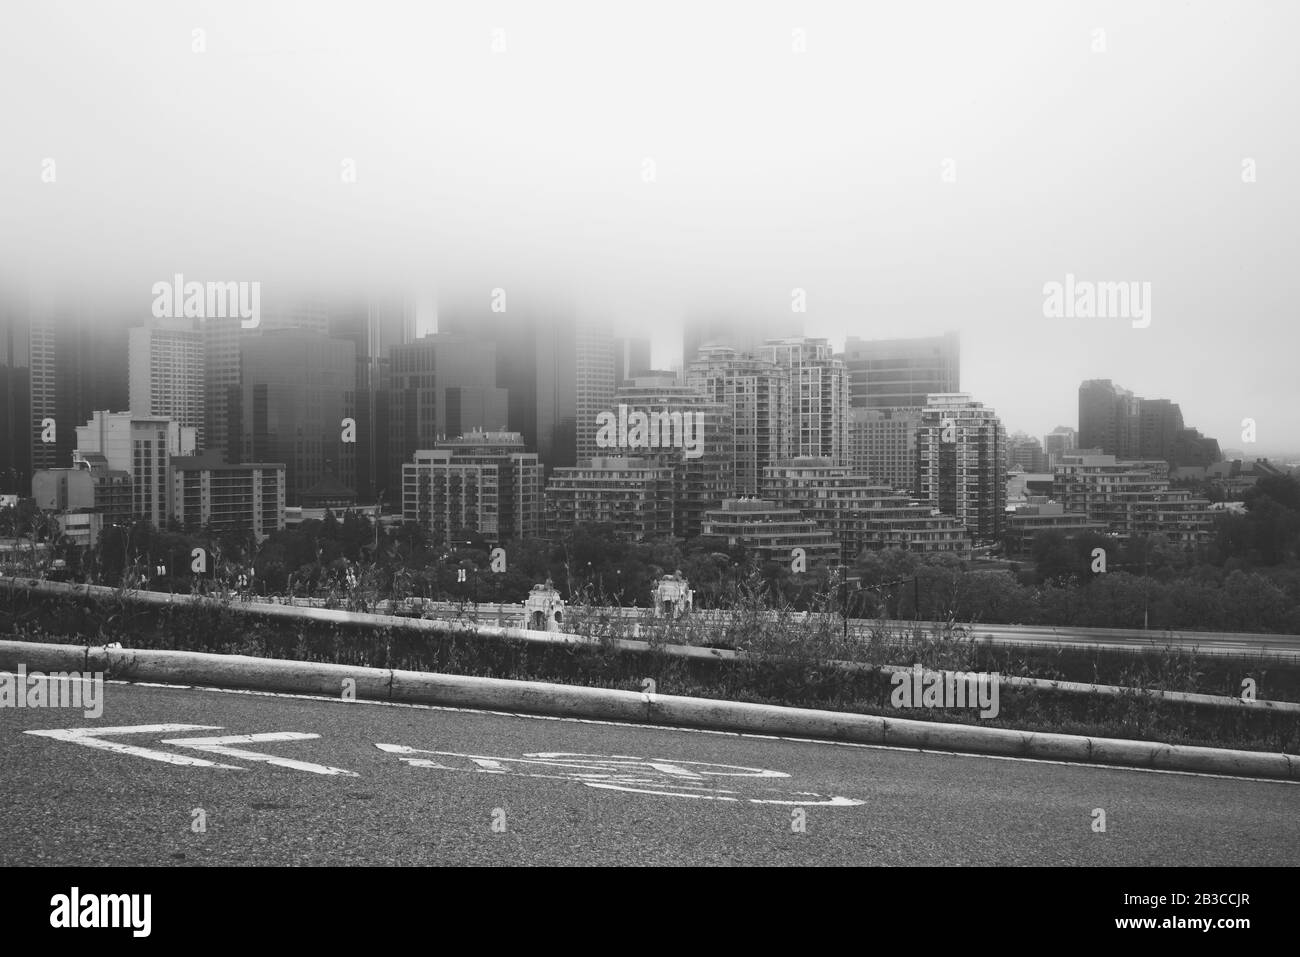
x=298 y=677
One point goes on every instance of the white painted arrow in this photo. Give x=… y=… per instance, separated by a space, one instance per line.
x=222 y=747
x=94 y=738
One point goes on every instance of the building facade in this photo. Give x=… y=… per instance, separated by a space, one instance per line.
x=900 y=373
x=632 y=494
x=819 y=396
x=961 y=467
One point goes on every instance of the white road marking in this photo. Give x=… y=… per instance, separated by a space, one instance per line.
x=93 y=738
x=222 y=747
x=659 y=777
x=749 y=735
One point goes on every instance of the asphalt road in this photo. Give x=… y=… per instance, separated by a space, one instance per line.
x=457 y=787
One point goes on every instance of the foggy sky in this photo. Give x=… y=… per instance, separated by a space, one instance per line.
x=774 y=170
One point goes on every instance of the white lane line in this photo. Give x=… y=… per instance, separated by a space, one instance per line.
x=222 y=747
x=727 y=734
x=93 y=738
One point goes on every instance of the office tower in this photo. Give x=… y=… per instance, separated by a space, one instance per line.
x=440 y=385
x=594 y=368
x=306 y=314
x=746 y=335
x=221 y=336
x=490 y=471
x=771 y=532
x=296 y=390
x=375 y=327
x=860 y=513
x=166 y=373
x=1132 y=499
x=819 y=396
x=631 y=359
x=757 y=395
x=961 y=470
x=1119 y=423
x=889 y=373
x=634 y=496
x=703 y=475
x=1056 y=443
x=1108 y=418
x=142 y=446
x=15 y=403
x=77 y=366
x=210 y=493
x=1025 y=453
x=882 y=444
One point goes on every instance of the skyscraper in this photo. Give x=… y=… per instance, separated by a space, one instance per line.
x=594 y=368
x=819 y=396
x=889 y=373
x=296 y=390
x=882 y=444
x=631 y=359
x=166 y=373
x=757 y=394
x=961 y=470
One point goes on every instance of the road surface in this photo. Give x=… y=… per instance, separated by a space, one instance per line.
x=364 y=783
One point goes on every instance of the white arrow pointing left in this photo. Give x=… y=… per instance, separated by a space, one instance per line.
x=95 y=738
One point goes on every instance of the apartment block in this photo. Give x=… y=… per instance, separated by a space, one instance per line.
x=208 y=492
x=634 y=495
x=961 y=467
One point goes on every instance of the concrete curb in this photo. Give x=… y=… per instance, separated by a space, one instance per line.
x=270 y=674
x=335 y=616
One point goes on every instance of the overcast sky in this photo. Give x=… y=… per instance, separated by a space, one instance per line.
x=772 y=170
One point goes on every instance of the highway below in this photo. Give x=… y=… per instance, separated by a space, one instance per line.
x=201 y=777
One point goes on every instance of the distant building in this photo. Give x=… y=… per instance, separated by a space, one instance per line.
x=631 y=359
x=1028 y=521
x=1025 y=453
x=210 y=493
x=1131 y=427
x=900 y=373
x=860 y=514
x=141 y=446
x=882 y=444
x=1131 y=499
x=703 y=479
x=771 y=532
x=634 y=495
x=1060 y=440
x=166 y=373
x=757 y=395
x=961 y=467
x=819 y=396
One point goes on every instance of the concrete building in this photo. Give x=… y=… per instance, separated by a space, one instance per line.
x=756 y=393
x=594 y=383
x=1026 y=453
x=1027 y=521
x=900 y=373
x=882 y=444
x=508 y=475
x=702 y=477
x=141 y=446
x=85 y=498
x=819 y=396
x=771 y=532
x=296 y=390
x=861 y=514
x=634 y=495
x=961 y=467
x=1131 y=499
x=1059 y=441
x=166 y=373
x=208 y=492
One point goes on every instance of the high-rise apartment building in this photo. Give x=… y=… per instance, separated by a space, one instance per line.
x=819 y=396
x=704 y=476
x=882 y=444
x=143 y=447
x=961 y=465
x=894 y=373
x=757 y=395
x=166 y=373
